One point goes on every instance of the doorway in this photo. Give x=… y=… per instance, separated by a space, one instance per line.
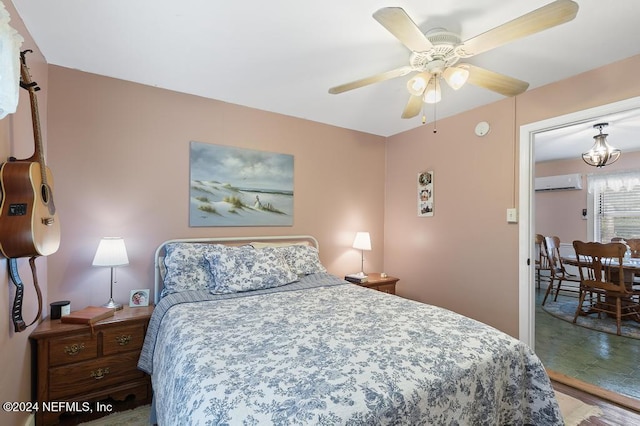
x=527 y=136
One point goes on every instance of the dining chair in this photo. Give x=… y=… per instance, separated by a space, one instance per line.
x=634 y=246
x=633 y=243
x=557 y=270
x=542 y=260
x=602 y=284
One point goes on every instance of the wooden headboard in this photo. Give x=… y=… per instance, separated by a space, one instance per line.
x=231 y=241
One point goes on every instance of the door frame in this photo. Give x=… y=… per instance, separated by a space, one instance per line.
x=526 y=205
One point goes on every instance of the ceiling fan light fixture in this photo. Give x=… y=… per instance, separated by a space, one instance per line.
x=436 y=53
x=456 y=77
x=601 y=153
x=417 y=85
x=432 y=94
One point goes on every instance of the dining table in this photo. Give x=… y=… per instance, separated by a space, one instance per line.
x=630 y=266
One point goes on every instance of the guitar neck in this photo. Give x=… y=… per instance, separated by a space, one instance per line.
x=38 y=154
x=32 y=87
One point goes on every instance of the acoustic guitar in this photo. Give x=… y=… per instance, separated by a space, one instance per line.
x=29 y=224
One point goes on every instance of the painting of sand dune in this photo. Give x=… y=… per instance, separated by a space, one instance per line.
x=232 y=186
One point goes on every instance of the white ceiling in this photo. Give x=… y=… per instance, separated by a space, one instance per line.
x=570 y=141
x=283 y=55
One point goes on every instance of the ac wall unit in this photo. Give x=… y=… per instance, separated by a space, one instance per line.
x=559 y=183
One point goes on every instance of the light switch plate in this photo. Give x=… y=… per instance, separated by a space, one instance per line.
x=512 y=215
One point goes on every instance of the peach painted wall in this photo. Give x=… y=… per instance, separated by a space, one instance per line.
x=120 y=155
x=16 y=139
x=465 y=257
x=462 y=256
x=560 y=212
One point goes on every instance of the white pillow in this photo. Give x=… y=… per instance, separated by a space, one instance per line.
x=303 y=260
x=186 y=267
x=238 y=269
x=263 y=244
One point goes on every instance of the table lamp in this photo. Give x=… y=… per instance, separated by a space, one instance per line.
x=111 y=252
x=362 y=242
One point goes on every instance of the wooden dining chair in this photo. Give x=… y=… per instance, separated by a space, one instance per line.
x=602 y=284
x=558 y=272
x=542 y=260
x=633 y=243
x=634 y=247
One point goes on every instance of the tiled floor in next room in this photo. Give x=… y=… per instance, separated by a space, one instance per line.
x=605 y=360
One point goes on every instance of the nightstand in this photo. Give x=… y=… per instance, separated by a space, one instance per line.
x=376 y=282
x=75 y=365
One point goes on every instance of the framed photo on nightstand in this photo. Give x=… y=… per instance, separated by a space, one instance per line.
x=139 y=298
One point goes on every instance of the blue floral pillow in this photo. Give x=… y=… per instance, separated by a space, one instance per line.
x=237 y=269
x=303 y=260
x=186 y=267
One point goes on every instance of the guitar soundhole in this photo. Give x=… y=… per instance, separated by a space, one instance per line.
x=44 y=189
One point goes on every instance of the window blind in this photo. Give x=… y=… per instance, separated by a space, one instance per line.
x=618 y=210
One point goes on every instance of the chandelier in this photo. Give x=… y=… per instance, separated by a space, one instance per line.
x=601 y=153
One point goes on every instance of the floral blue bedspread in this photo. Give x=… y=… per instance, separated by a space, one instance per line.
x=325 y=352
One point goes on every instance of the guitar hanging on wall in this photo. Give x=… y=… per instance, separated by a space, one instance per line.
x=29 y=225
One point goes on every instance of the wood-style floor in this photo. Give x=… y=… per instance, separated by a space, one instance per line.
x=618 y=409
x=613 y=414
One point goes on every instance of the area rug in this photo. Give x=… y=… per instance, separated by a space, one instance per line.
x=573 y=411
x=565 y=310
x=137 y=417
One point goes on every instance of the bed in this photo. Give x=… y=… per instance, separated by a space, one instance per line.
x=224 y=347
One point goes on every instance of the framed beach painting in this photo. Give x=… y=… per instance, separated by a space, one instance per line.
x=425 y=194
x=232 y=186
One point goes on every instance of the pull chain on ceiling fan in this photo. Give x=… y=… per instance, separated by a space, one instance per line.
x=435 y=55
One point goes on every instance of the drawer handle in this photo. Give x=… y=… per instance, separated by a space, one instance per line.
x=123 y=340
x=100 y=373
x=74 y=349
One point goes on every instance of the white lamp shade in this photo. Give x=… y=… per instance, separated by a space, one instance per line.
x=456 y=77
x=362 y=241
x=111 y=252
x=432 y=94
x=418 y=84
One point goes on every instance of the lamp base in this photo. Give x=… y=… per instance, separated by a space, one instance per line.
x=113 y=305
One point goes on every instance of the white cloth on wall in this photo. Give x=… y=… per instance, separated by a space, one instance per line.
x=10 y=43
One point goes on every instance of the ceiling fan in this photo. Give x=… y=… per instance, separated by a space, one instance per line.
x=435 y=55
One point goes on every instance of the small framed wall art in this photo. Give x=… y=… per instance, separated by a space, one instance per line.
x=425 y=194
x=139 y=298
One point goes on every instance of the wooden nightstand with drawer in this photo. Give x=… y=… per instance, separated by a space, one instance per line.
x=73 y=364
x=376 y=282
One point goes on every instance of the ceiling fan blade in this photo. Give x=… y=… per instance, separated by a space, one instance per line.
x=398 y=72
x=398 y=23
x=413 y=107
x=505 y=85
x=551 y=15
